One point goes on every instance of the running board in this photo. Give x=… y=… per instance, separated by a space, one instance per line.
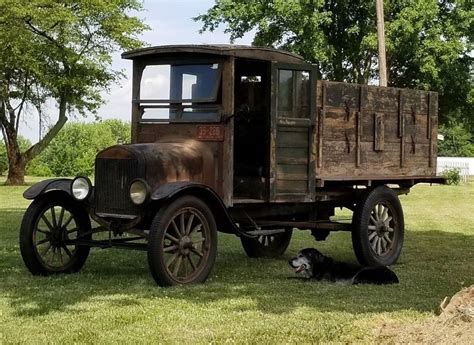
x=265 y=232
x=104 y=244
x=317 y=225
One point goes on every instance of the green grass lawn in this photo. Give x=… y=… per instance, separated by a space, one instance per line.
x=115 y=300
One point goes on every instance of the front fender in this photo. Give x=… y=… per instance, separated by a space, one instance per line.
x=224 y=221
x=169 y=190
x=43 y=187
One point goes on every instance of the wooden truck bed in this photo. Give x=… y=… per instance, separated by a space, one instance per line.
x=366 y=133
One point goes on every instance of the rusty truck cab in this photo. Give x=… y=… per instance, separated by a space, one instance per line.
x=225 y=98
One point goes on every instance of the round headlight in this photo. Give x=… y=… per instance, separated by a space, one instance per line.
x=138 y=192
x=81 y=188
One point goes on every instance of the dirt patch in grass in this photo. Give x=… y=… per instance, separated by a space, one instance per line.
x=454 y=324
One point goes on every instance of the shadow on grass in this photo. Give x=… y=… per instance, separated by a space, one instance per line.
x=434 y=264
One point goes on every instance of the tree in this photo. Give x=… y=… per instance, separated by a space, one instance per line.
x=57 y=51
x=458 y=142
x=339 y=36
x=72 y=152
x=23 y=143
x=3 y=158
x=121 y=131
x=429 y=42
x=431 y=48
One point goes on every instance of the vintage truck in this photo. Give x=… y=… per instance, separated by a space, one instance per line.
x=241 y=140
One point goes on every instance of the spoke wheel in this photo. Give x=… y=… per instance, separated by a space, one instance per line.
x=378 y=228
x=381 y=229
x=267 y=245
x=183 y=243
x=48 y=226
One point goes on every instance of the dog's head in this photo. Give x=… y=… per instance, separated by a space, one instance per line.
x=306 y=260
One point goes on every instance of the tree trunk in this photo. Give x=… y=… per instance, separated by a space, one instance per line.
x=17 y=160
x=16 y=171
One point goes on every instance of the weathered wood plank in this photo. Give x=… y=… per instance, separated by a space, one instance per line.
x=379 y=134
x=292 y=139
x=337 y=157
x=293 y=128
x=358 y=137
x=297 y=172
x=336 y=126
x=292 y=169
x=341 y=95
x=285 y=186
x=321 y=124
x=292 y=161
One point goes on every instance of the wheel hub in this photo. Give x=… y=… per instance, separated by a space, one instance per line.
x=185 y=245
x=381 y=229
x=58 y=236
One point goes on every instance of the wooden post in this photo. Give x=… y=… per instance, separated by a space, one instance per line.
x=381 y=43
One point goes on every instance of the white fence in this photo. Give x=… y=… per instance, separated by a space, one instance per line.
x=465 y=165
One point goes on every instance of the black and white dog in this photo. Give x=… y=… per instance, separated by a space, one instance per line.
x=319 y=267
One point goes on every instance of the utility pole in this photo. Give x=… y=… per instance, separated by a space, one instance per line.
x=381 y=43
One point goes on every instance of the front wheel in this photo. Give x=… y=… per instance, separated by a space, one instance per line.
x=267 y=245
x=378 y=228
x=49 y=225
x=182 y=246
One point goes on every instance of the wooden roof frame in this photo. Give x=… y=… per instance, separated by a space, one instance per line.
x=238 y=51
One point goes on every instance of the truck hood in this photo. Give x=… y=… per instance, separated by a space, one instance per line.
x=169 y=161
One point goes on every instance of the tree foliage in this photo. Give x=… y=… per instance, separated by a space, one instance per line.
x=429 y=42
x=72 y=152
x=458 y=141
x=57 y=51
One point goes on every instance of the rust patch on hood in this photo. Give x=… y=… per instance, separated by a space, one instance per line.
x=169 y=160
x=185 y=160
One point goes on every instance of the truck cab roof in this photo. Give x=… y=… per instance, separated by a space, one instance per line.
x=239 y=51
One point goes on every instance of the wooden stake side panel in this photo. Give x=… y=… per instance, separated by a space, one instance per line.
x=374 y=132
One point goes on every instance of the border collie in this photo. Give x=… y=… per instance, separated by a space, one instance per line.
x=319 y=267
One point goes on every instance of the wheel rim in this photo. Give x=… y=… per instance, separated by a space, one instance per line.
x=54 y=227
x=186 y=245
x=381 y=229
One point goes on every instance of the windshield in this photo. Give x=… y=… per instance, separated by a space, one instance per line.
x=193 y=83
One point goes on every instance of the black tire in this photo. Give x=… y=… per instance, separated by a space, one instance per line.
x=190 y=245
x=47 y=223
x=269 y=246
x=378 y=228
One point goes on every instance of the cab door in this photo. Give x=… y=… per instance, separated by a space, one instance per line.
x=293 y=153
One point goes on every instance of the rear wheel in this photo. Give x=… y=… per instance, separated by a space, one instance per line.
x=183 y=242
x=378 y=228
x=267 y=245
x=49 y=224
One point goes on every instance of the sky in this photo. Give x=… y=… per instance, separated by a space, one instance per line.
x=171 y=23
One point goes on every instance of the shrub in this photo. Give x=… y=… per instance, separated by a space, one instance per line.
x=452 y=176
x=3 y=164
x=458 y=141
x=72 y=152
x=37 y=167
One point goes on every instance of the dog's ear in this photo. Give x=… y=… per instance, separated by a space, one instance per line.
x=315 y=255
x=305 y=252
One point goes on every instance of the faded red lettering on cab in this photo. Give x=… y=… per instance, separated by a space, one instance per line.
x=210 y=133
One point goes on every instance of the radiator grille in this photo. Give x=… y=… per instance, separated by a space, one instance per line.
x=112 y=181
